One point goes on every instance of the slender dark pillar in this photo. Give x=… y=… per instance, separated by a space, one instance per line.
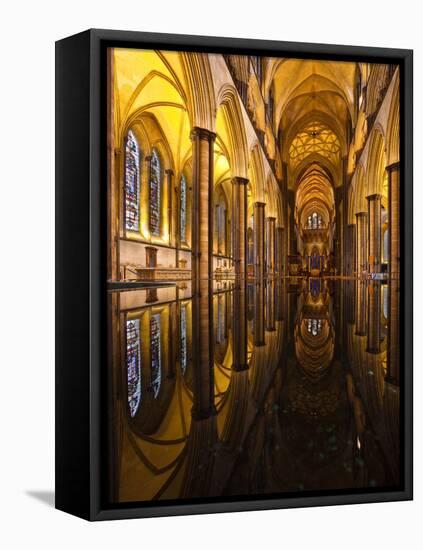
x=375 y=236
x=394 y=220
x=279 y=252
x=361 y=240
x=270 y=246
x=259 y=240
x=202 y=204
x=239 y=225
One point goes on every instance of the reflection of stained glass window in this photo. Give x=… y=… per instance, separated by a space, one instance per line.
x=155 y=198
x=220 y=328
x=184 y=345
x=183 y=207
x=132 y=179
x=133 y=365
x=314 y=326
x=156 y=354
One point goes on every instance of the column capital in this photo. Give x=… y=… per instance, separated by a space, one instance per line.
x=238 y=180
x=259 y=204
x=393 y=166
x=169 y=172
x=374 y=197
x=147 y=158
x=270 y=218
x=202 y=134
x=361 y=215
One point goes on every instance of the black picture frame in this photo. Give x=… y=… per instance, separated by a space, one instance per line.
x=81 y=319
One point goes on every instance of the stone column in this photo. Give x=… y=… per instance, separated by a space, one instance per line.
x=361 y=240
x=349 y=261
x=171 y=222
x=202 y=205
x=279 y=250
x=270 y=245
x=373 y=319
x=375 y=237
x=202 y=272
x=239 y=225
x=239 y=327
x=145 y=193
x=394 y=219
x=258 y=234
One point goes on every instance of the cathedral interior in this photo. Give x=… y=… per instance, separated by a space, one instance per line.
x=253 y=276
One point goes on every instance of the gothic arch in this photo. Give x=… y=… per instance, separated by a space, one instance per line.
x=230 y=127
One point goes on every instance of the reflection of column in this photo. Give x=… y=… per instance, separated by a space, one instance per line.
x=394 y=219
x=280 y=300
x=258 y=323
x=202 y=204
x=279 y=250
x=393 y=363
x=361 y=239
x=270 y=245
x=203 y=353
x=360 y=305
x=259 y=239
x=270 y=307
x=373 y=320
x=375 y=238
x=239 y=328
x=239 y=224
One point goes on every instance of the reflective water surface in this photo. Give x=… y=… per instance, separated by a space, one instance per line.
x=280 y=387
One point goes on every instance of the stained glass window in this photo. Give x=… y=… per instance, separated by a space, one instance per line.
x=132 y=183
x=156 y=354
x=221 y=229
x=314 y=326
x=183 y=207
x=183 y=343
x=155 y=193
x=133 y=365
x=314 y=221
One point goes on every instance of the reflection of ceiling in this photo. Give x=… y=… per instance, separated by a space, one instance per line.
x=314 y=138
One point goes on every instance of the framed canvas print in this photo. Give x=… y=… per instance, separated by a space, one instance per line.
x=234 y=274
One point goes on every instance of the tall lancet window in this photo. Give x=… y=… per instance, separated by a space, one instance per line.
x=132 y=183
x=155 y=194
x=183 y=209
x=133 y=365
x=156 y=354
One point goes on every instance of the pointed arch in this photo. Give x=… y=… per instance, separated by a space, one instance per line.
x=230 y=127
